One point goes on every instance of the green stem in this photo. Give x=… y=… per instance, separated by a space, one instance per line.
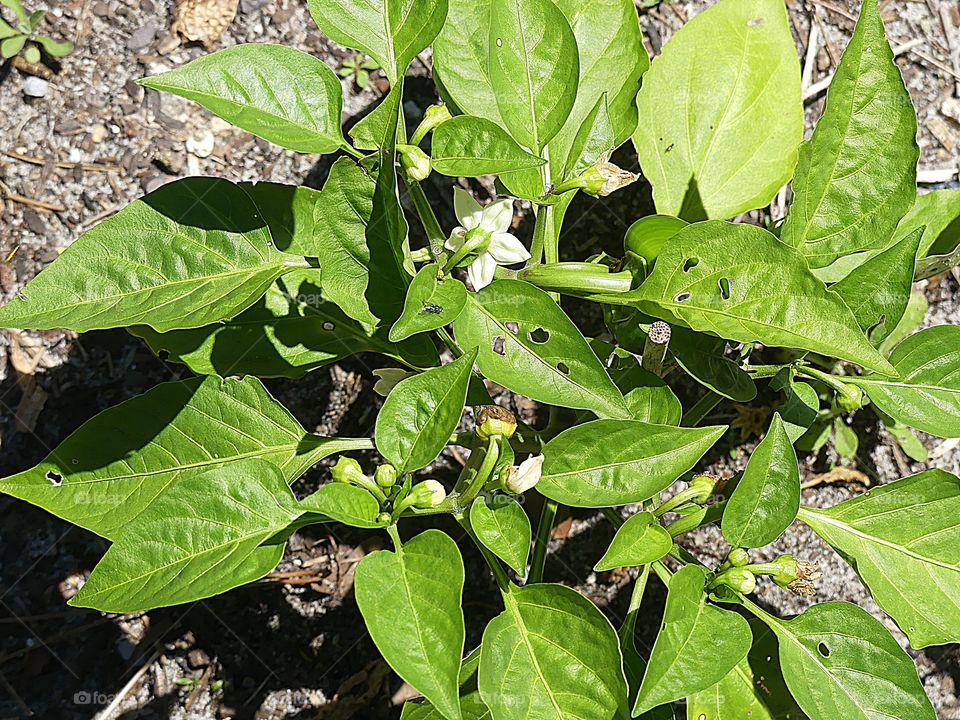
x=450 y=342
x=544 y=530
x=662 y=572
x=826 y=378
x=613 y=517
x=703 y=407
x=427 y=217
x=486 y=468
x=394 y=536
x=350 y=150
x=629 y=625
x=503 y=582
x=576 y=277
x=539 y=237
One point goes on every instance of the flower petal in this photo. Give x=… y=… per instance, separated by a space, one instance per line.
x=480 y=272
x=456 y=240
x=469 y=211
x=506 y=249
x=498 y=216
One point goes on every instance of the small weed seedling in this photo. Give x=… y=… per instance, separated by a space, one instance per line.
x=22 y=36
x=190 y=482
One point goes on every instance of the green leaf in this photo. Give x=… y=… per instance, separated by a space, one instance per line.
x=543 y=356
x=17 y=7
x=551 y=654
x=504 y=529
x=471 y=708
x=617 y=462
x=392 y=33
x=410 y=601
x=800 y=410
x=924 y=390
x=767 y=497
x=113 y=467
x=534 y=68
x=362 y=266
x=275 y=92
x=6 y=31
x=431 y=303
x=878 y=291
x=640 y=540
x=371 y=130
x=840 y=662
x=347 y=504
x=702 y=358
x=649 y=398
x=289 y=211
x=857 y=174
x=913 y=316
x=292 y=330
x=421 y=412
x=845 y=440
x=677 y=667
x=12 y=45
x=470 y=146
x=904 y=436
x=753 y=690
x=594 y=140
x=207 y=534
x=741 y=283
x=32 y=54
x=194 y=252
x=54 y=48
x=720 y=112
x=902 y=539
x=936 y=214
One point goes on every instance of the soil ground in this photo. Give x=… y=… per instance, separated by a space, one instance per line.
x=294 y=646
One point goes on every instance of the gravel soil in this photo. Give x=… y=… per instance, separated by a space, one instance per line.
x=294 y=646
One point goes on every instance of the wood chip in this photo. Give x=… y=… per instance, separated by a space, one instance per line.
x=203 y=21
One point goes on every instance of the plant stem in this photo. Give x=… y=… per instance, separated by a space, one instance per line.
x=636 y=597
x=350 y=150
x=427 y=217
x=614 y=517
x=823 y=377
x=662 y=572
x=701 y=409
x=544 y=530
x=450 y=342
x=394 y=536
x=503 y=582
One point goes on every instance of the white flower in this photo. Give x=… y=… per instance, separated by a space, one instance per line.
x=520 y=479
x=491 y=224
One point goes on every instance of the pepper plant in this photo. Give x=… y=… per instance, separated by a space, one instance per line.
x=191 y=481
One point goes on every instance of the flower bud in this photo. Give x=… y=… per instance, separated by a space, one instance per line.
x=521 y=478
x=348 y=470
x=386 y=476
x=414 y=161
x=604 y=178
x=434 y=116
x=738 y=557
x=701 y=488
x=739 y=579
x=427 y=494
x=384 y=518
x=495 y=420
x=850 y=398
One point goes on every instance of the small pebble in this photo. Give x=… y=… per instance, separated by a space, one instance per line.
x=200 y=146
x=35 y=87
x=98 y=134
x=141 y=38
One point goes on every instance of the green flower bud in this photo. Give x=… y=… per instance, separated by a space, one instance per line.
x=739 y=579
x=738 y=557
x=850 y=398
x=386 y=476
x=701 y=488
x=427 y=494
x=495 y=420
x=384 y=518
x=414 y=161
x=348 y=470
x=599 y=180
x=435 y=116
x=784 y=570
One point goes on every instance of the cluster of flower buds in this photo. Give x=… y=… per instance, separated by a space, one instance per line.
x=384 y=486
x=798 y=576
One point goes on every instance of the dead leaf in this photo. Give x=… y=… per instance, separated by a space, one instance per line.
x=839 y=474
x=203 y=21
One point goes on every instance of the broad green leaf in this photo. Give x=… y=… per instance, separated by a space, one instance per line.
x=913 y=316
x=194 y=252
x=924 y=390
x=207 y=534
x=470 y=146
x=290 y=213
x=640 y=540
x=421 y=412
x=878 y=291
x=678 y=666
x=54 y=48
x=720 y=112
x=373 y=129
x=340 y=502
x=534 y=68
x=504 y=528
x=646 y=236
x=292 y=330
x=767 y=497
x=275 y=92
x=114 y=466
x=703 y=358
x=361 y=249
x=410 y=602
x=741 y=283
x=904 y=436
x=551 y=654
x=528 y=344
x=649 y=398
x=431 y=303
x=840 y=662
x=753 y=690
x=617 y=462
x=6 y=30
x=800 y=409
x=392 y=33
x=937 y=214
x=612 y=61
x=902 y=539
x=12 y=45
x=857 y=174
